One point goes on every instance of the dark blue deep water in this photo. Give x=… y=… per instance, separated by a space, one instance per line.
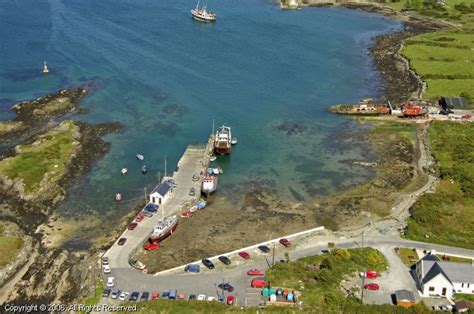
x=165 y=77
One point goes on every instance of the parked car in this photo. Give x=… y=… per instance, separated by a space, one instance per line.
x=226 y=287
x=224 y=259
x=230 y=300
x=106 y=269
x=285 y=242
x=115 y=293
x=122 y=241
x=192 y=268
x=139 y=217
x=264 y=248
x=192 y=297
x=208 y=263
x=172 y=183
x=325 y=251
x=372 y=286
x=123 y=296
x=211 y=298
x=132 y=226
x=466 y=116
x=255 y=272
x=165 y=295
x=258 y=283
x=151 y=246
x=105 y=260
x=151 y=208
x=244 y=255
x=145 y=296
x=134 y=296
x=106 y=292
x=201 y=297
x=173 y=294
x=192 y=192
x=155 y=295
x=371 y=274
x=181 y=296
x=110 y=282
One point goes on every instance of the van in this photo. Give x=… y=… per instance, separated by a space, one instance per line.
x=173 y=294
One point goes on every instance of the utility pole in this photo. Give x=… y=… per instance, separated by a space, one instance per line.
x=363 y=284
x=273 y=256
x=363 y=239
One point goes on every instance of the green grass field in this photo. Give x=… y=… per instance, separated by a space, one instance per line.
x=9 y=246
x=49 y=155
x=447 y=216
x=444 y=60
x=408 y=256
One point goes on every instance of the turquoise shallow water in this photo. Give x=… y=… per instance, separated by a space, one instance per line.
x=165 y=77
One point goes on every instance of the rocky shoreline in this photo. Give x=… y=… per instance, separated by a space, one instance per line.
x=50 y=274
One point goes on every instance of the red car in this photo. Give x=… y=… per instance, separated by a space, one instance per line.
x=122 y=241
x=372 y=286
x=371 y=274
x=139 y=217
x=151 y=246
x=181 y=296
x=230 y=300
x=255 y=272
x=466 y=116
x=132 y=226
x=244 y=255
x=155 y=295
x=285 y=242
x=258 y=283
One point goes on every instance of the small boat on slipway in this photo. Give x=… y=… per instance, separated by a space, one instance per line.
x=209 y=185
x=164 y=228
x=201 y=14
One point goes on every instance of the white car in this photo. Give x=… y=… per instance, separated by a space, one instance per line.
x=124 y=295
x=211 y=298
x=110 y=282
x=201 y=297
x=106 y=269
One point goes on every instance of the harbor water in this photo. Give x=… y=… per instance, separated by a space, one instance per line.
x=267 y=73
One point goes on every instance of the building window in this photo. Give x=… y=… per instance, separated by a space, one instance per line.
x=431 y=289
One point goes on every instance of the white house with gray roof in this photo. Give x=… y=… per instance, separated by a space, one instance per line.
x=439 y=278
x=161 y=193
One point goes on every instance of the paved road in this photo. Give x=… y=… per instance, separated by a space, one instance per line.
x=129 y=279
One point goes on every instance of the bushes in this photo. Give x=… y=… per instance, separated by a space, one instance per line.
x=375 y=258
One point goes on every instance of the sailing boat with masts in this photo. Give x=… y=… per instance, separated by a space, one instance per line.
x=201 y=14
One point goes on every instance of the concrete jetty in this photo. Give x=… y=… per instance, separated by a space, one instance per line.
x=193 y=164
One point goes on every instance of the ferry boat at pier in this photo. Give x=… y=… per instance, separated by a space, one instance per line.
x=201 y=14
x=223 y=141
x=163 y=229
x=209 y=185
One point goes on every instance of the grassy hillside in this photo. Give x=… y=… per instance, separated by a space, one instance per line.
x=445 y=60
x=447 y=216
x=9 y=246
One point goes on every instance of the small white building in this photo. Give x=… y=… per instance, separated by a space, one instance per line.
x=439 y=278
x=161 y=193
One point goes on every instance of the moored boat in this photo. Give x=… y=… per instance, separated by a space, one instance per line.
x=140 y=156
x=201 y=14
x=234 y=141
x=213 y=158
x=45 y=68
x=223 y=141
x=209 y=185
x=163 y=229
x=144 y=169
x=124 y=171
x=118 y=197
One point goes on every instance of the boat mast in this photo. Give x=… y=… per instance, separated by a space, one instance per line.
x=165 y=166
x=197 y=6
